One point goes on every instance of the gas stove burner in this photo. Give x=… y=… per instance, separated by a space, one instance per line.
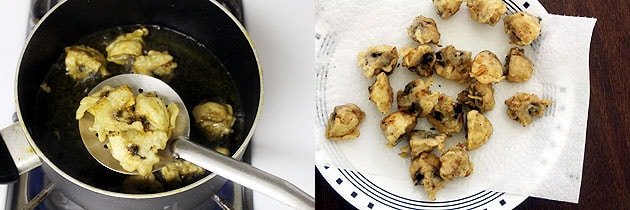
x=36 y=183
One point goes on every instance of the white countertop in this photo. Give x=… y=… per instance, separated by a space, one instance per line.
x=282 y=32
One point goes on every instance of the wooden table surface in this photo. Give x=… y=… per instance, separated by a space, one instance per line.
x=606 y=171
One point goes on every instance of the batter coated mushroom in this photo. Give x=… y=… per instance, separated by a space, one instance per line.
x=417 y=98
x=397 y=124
x=453 y=64
x=477 y=96
x=126 y=47
x=486 y=11
x=343 y=122
x=83 y=62
x=517 y=67
x=487 y=68
x=419 y=60
x=523 y=106
x=455 y=162
x=424 y=31
x=377 y=59
x=446 y=115
x=425 y=170
x=522 y=28
x=479 y=130
x=381 y=93
x=421 y=141
x=446 y=8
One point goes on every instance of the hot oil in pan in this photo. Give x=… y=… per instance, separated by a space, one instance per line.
x=199 y=77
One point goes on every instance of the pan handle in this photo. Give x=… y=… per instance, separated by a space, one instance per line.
x=243 y=173
x=16 y=154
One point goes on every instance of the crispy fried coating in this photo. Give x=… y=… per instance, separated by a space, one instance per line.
x=344 y=121
x=455 y=162
x=453 y=64
x=487 y=68
x=424 y=31
x=486 y=11
x=517 y=67
x=396 y=125
x=377 y=59
x=477 y=96
x=522 y=28
x=419 y=60
x=425 y=170
x=446 y=115
x=522 y=107
x=447 y=8
x=421 y=141
x=381 y=93
x=417 y=97
x=478 y=130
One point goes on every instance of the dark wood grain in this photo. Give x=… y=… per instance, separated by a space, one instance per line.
x=606 y=170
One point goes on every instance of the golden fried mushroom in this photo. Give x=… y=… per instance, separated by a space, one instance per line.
x=381 y=93
x=446 y=8
x=477 y=96
x=522 y=28
x=424 y=31
x=214 y=119
x=397 y=124
x=419 y=60
x=343 y=122
x=179 y=171
x=453 y=64
x=126 y=47
x=487 y=68
x=479 y=130
x=486 y=11
x=522 y=106
x=155 y=63
x=425 y=170
x=417 y=98
x=455 y=162
x=446 y=115
x=83 y=62
x=517 y=67
x=421 y=141
x=377 y=59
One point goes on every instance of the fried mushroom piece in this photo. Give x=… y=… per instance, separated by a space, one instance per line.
x=381 y=93
x=419 y=60
x=421 y=141
x=180 y=171
x=159 y=64
x=453 y=64
x=83 y=62
x=487 y=68
x=126 y=47
x=446 y=115
x=343 y=122
x=486 y=11
x=446 y=8
x=425 y=170
x=455 y=162
x=214 y=119
x=377 y=59
x=523 y=106
x=522 y=28
x=479 y=130
x=477 y=96
x=424 y=31
x=397 y=124
x=517 y=67
x=417 y=98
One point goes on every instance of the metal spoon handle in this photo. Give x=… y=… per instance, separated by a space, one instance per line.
x=244 y=174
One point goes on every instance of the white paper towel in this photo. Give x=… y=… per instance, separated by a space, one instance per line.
x=543 y=159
